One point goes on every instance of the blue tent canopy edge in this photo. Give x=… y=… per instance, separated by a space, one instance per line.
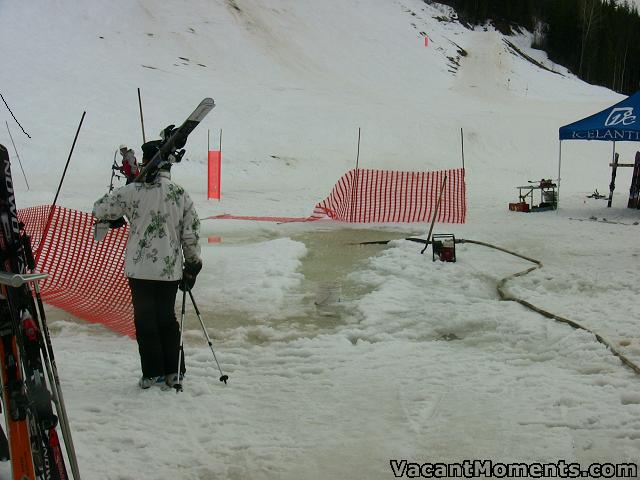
x=618 y=123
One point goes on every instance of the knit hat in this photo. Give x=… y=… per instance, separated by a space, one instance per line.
x=149 y=149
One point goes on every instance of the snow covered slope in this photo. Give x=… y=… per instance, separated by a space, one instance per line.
x=293 y=82
x=420 y=360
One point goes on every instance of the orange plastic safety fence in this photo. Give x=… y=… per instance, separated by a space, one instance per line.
x=86 y=277
x=383 y=196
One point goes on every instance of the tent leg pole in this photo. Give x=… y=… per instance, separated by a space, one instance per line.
x=559 y=167
x=614 y=171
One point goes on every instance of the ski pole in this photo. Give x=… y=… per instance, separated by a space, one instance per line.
x=178 y=385
x=223 y=377
x=435 y=214
x=52 y=373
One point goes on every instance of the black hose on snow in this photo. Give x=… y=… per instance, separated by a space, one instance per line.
x=504 y=295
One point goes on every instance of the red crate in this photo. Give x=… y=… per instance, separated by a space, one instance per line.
x=519 y=207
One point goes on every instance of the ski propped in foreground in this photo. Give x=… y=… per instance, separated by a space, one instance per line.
x=30 y=383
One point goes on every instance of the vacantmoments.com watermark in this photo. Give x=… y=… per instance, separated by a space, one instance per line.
x=491 y=469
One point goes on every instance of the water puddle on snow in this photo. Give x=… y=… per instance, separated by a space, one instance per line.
x=324 y=299
x=322 y=302
x=332 y=255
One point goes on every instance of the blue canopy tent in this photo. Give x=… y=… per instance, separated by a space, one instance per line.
x=618 y=123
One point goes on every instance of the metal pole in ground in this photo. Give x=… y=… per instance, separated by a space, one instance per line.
x=354 y=188
x=18 y=156
x=559 y=168
x=141 y=116
x=55 y=199
x=435 y=214
x=462 y=146
x=614 y=170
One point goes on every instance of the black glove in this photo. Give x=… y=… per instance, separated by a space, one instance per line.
x=189 y=274
x=117 y=223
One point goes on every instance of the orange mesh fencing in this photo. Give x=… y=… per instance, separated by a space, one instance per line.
x=86 y=277
x=386 y=196
x=382 y=196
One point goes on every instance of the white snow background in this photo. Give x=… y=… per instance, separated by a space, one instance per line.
x=420 y=360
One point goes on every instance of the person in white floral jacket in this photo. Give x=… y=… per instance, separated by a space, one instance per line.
x=162 y=254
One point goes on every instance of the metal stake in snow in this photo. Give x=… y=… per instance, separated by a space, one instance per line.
x=55 y=199
x=355 y=182
x=462 y=145
x=435 y=214
x=18 y=156
x=141 y=116
x=14 y=117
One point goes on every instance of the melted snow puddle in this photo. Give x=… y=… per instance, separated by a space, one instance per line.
x=323 y=300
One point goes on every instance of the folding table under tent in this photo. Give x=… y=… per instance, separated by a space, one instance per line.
x=618 y=123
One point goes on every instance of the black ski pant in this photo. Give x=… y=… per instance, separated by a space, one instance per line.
x=157 y=330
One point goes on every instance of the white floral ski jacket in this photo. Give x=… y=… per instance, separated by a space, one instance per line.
x=163 y=226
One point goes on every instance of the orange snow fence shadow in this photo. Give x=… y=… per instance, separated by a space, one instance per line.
x=86 y=278
x=213 y=184
x=385 y=196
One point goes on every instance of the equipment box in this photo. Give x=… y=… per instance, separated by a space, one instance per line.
x=519 y=207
